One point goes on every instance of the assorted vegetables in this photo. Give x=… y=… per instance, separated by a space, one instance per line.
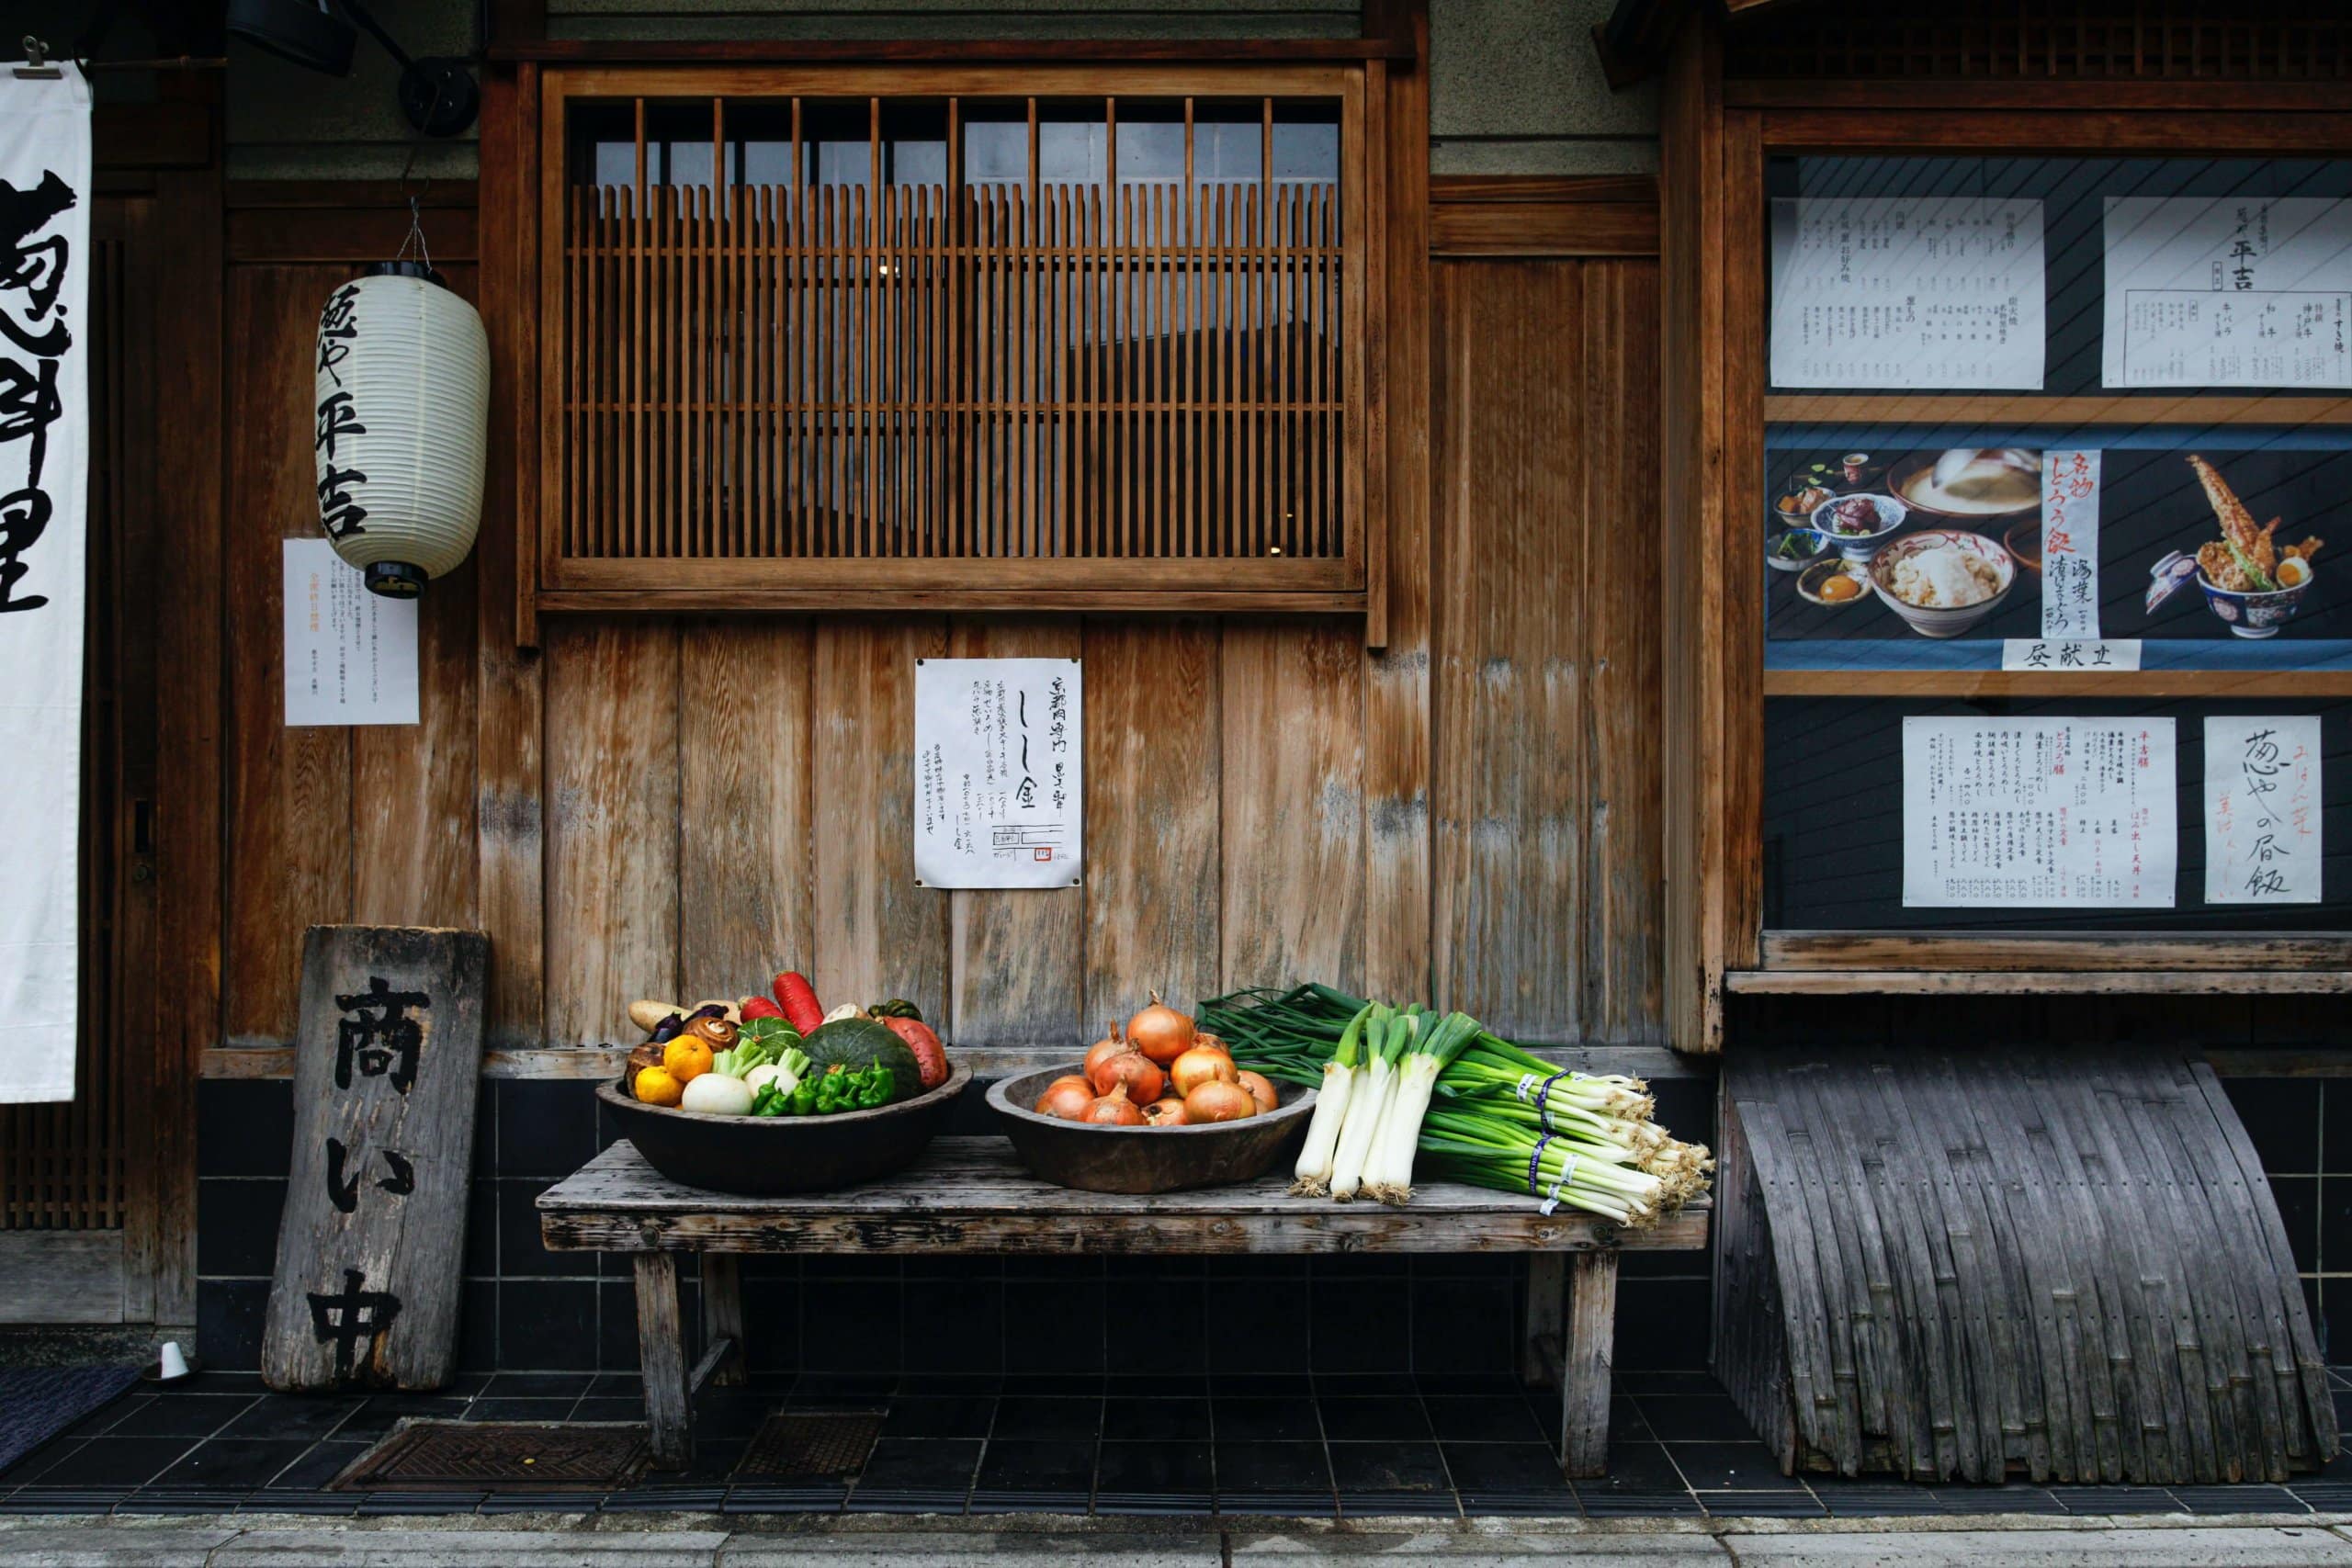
x=784 y=1056
x=1404 y=1087
x=1158 y=1070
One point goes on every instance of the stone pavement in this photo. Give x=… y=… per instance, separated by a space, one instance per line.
x=686 y=1541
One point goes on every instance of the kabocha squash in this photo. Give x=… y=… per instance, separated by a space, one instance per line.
x=858 y=1042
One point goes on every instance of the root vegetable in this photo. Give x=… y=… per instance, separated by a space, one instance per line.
x=798 y=999
x=1102 y=1050
x=1260 y=1090
x=1168 y=1112
x=1161 y=1032
x=648 y=1015
x=1114 y=1110
x=1133 y=1070
x=1070 y=1098
x=716 y=1094
x=1199 y=1065
x=1219 y=1100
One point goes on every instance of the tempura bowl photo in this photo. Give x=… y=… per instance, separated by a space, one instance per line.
x=2254 y=614
x=1943 y=580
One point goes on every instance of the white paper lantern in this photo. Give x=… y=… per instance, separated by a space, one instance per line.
x=402 y=413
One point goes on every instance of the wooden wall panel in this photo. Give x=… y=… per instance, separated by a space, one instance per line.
x=612 y=731
x=1153 y=798
x=1017 y=958
x=1510 y=779
x=743 y=855
x=1292 y=847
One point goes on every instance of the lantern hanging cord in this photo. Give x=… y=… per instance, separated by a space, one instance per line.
x=416 y=235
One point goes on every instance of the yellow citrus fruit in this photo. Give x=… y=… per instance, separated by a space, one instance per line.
x=655 y=1086
x=686 y=1058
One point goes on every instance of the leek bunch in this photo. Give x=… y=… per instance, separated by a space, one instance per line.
x=1395 y=1082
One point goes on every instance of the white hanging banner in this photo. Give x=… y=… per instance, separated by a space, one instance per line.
x=2070 y=544
x=999 y=793
x=350 y=654
x=44 y=485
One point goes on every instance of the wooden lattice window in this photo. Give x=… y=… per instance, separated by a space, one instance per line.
x=1043 y=337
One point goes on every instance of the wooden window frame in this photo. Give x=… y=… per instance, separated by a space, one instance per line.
x=1719 y=135
x=1354 y=582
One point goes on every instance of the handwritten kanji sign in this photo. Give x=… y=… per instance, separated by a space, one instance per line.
x=999 y=786
x=385 y=1074
x=2262 y=809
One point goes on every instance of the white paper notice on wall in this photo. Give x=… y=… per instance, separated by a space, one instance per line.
x=2070 y=544
x=2228 y=292
x=998 y=788
x=2262 y=811
x=2038 y=813
x=2062 y=655
x=1938 y=292
x=350 y=654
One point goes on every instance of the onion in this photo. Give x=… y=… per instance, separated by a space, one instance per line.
x=1102 y=1050
x=1159 y=1031
x=1144 y=1081
x=1199 y=1065
x=1217 y=1100
x=1066 y=1097
x=1114 y=1110
x=1260 y=1090
x=1169 y=1112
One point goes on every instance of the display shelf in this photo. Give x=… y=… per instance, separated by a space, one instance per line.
x=2128 y=409
x=2038 y=982
x=1852 y=681
x=2027 y=952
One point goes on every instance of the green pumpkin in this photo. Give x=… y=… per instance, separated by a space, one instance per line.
x=896 y=1007
x=857 y=1044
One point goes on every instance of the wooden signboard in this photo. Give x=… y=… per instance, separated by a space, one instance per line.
x=385 y=1075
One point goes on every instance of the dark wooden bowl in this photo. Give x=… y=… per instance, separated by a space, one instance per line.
x=760 y=1157
x=1147 y=1159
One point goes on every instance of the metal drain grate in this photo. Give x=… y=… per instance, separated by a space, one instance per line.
x=427 y=1455
x=830 y=1443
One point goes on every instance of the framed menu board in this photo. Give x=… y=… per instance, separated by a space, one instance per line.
x=2029 y=549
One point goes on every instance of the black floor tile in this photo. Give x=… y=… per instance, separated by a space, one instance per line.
x=1504 y=1466
x=1626 y=1422
x=2117 y=1500
x=715 y=1460
x=1157 y=1385
x=417 y=1505
x=1381 y=1504
x=317 y=1466
x=541 y=1502
x=1496 y=1418
x=1025 y=1417
x=700 y=1498
x=67 y=1500
x=489 y=1409
x=1174 y=1468
x=992 y=1502
x=325 y=1505
x=106 y=1415
x=617 y=1385
x=1378 y=1419
x=1387 y=1467
x=1265 y=1420
x=1027 y=1465
x=294 y=1416
x=819 y=1386
x=1366 y=1385
x=950 y=1385
x=1860 y=1500
x=1643 y=1384
x=1685 y=1418
x=244 y=1462
x=966 y=1417
x=782 y=1499
x=40 y=1459
x=925 y=1465
x=1634 y=1468
x=1268 y=1385
x=2256 y=1499
x=623 y=1409
x=540 y=1386
x=185 y=1500
x=1155 y=1420
x=1731 y=1467
x=112 y=1461
x=1629 y=1504
x=1790 y=1504
x=737 y=1413
x=1246 y=1469
x=181 y=1415
x=1535 y=1505
x=380 y=1414
x=1997 y=1500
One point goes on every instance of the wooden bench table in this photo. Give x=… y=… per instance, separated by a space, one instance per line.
x=971 y=1195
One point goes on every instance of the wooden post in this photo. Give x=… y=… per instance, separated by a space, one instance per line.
x=722 y=1315
x=661 y=1358
x=1585 y=1360
x=1547 y=1307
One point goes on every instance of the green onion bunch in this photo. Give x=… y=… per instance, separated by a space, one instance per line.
x=1392 y=1081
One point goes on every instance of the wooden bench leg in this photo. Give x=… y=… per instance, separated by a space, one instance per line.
x=1586 y=1355
x=661 y=1358
x=1547 y=1308
x=722 y=1315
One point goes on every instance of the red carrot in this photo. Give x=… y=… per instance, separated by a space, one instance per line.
x=799 y=999
x=760 y=1007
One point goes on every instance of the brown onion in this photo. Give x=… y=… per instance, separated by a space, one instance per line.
x=1199 y=1066
x=1169 y=1112
x=1067 y=1098
x=1102 y=1050
x=1114 y=1110
x=1159 y=1031
x=1144 y=1081
x=1217 y=1100
x=1260 y=1090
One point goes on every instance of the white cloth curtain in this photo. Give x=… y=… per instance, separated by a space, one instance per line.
x=44 y=485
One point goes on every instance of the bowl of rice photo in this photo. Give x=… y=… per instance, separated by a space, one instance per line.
x=1941 y=580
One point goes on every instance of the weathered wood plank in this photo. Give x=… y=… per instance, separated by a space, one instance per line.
x=365 y=1289
x=662 y=1361
x=612 y=814
x=61 y=1276
x=744 y=782
x=1153 y=773
x=1509 y=846
x=1547 y=1316
x=1017 y=955
x=722 y=1315
x=1586 y=1357
x=876 y=934
x=1293 y=777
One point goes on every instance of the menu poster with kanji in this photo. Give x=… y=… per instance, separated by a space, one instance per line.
x=1939 y=292
x=998 y=787
x=2262 y=811
x=2037 y=813
x=2228 y=292
x=2070 y=546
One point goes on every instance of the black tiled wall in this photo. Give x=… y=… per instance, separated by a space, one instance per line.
x=2302 y=1130
x=527 y=1309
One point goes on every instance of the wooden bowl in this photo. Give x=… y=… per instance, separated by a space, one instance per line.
x=1149 y=1159
x=761 y=1157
